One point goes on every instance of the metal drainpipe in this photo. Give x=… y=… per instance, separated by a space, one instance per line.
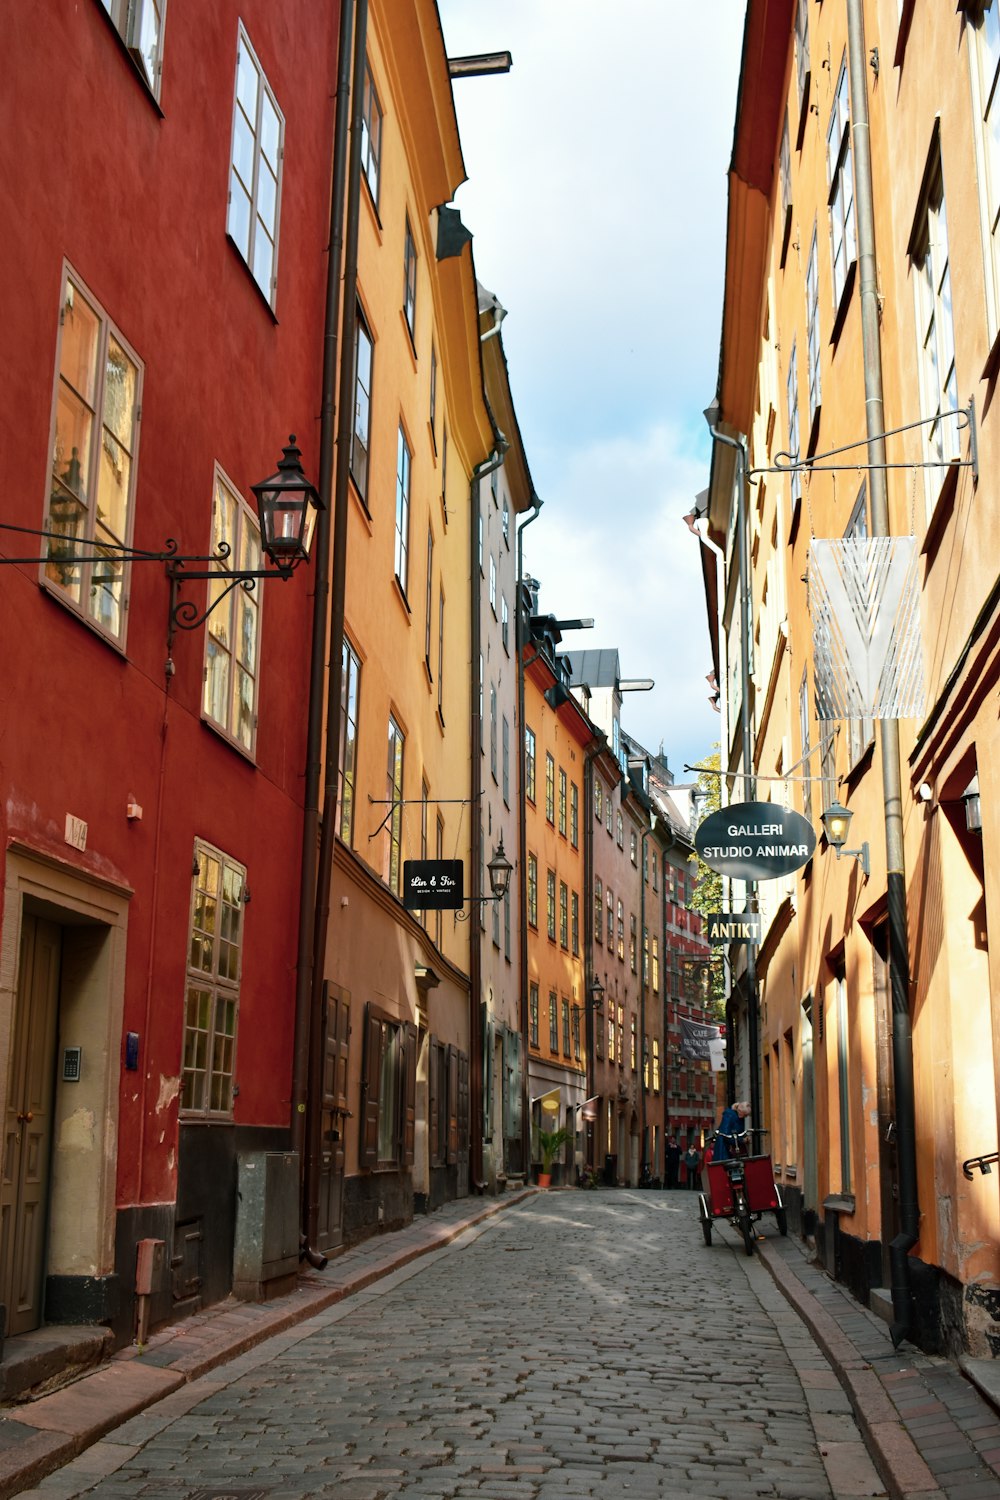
x=899 y=959
x=665 y=849
x=345 y=414
x=476 y=1029
x=522 y=884
x=314 y=732
x=589 y=972
x=643 y=1060
x=749 y=780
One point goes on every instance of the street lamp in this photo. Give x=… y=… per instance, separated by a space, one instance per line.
x=499 y=868
x=837 y=822
x=287 y=504
x=596 y=992
x=973 y=807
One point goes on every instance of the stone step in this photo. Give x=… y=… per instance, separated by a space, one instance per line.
x=33 y=1364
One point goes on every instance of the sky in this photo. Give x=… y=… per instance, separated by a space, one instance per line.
x=597 y=202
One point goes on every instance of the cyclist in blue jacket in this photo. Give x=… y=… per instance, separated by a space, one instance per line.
x=733 y=1122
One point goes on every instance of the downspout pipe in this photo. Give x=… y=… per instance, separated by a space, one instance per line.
x=521 y=641
x=746 y=755
x=589 y=972
x=317 y=659
x=899 y=959
x=643 y=965
x=477 y=1030
x=345 y=415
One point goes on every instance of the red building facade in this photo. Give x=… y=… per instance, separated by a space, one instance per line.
x=164 y=258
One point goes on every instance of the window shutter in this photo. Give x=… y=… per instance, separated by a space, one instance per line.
x=514 y=1084
x=452 y=1156
x=433 y=1101
x=370 y=1069
x=463 y=1106
x=409 y=1060
x=488 y=1050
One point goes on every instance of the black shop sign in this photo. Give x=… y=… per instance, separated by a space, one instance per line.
x=755 y=841
x=432 y=884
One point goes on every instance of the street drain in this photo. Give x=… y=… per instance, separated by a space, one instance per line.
x=226 y=1493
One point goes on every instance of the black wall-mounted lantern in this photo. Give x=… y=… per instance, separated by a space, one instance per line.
x=973 y=806
x=836 y=823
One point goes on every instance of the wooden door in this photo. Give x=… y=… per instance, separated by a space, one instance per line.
x=333 y=1115
x=886 y=1100
x=28 y=1127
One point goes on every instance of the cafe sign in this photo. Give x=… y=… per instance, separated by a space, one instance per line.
x=755 y=841
x=432 y=884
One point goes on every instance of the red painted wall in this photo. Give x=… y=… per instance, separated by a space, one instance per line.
x=134 y=197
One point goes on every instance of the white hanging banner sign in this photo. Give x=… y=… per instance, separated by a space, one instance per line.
x=864 y=597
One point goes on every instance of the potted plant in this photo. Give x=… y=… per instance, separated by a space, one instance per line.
x=550 y=1143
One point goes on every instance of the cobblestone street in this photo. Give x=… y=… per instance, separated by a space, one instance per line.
x=578 y=1344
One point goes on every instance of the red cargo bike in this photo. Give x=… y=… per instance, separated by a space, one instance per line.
x=741 y=1188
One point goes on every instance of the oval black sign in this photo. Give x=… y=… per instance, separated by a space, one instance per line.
x=755 y=841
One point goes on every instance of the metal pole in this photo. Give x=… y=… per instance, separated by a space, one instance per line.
x=749 y=780
x=521 y=641
x=746 y=755
x=310 y=825
x=338 y=591
x=899 y=960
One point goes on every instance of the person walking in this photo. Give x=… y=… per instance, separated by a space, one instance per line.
x=673 y=1161
x=692 y=1162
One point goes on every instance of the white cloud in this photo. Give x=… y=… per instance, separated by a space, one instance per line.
x=611 y=544
x=597 y=198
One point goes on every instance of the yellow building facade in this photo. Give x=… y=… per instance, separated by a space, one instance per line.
x=861 y=300
x=397 y=1033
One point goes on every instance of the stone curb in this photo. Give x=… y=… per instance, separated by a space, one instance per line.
x=57 y=1428
x=893 y=1451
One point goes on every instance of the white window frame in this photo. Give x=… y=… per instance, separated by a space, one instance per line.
x=794 y=441
x=371 y=134
x=812 y=331
x=350 y=694
x=361 y=430
x=77 y=486
x=396 y=747
x=983 y=25
x=140 y=25
x=505 y=760
x=935 y=329
x=410 y=282
x=267 y=279
x=802 y=68
x=404 y=465
x=840 y=169
x=429 y=601
x=212 y=984
x=233 y=626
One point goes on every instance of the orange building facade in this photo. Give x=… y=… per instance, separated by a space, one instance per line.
x=861 y=300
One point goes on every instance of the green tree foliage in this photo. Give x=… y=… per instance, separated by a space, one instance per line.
x=707 y=896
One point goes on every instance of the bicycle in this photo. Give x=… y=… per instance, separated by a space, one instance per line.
x=741 y=1188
